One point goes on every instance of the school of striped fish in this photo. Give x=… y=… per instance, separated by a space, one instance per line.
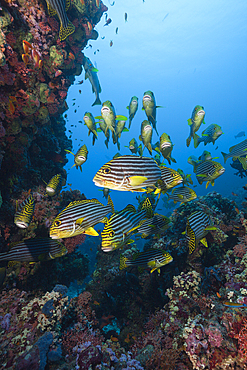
x=134 y=172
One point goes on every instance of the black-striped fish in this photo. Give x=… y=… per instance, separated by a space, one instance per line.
x=154 y=226
x=54 y=186
x=149 y=105
x=132 y=107
x=169 y=179
x=153 y=258
x=209 y=135
x=208 y=171
x=165 y=147
x=90 y=123
x=34 y=250
x=59 y=8
x=238 y=151
x=197 y=118
x=80 y=157
x=79 y=217
x=24 y=213
x=146 y=136
x=197 y=227
x=128 y=173
x=182 y=194
x=120 y=226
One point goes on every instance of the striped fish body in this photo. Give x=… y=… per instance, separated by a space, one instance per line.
x=128 y=173
x=153 y=258
x=170 y=178
x=195 y=122
x=24 y=213
x=120 y=226
x=80 y=157
x=34 y=250
x=182 y=194
x=155 y=225
x=236 y=151
x=208 y=171
x=54 y=185
x=209 y=135
x=197 y=227
x=79 y=217
x=59 y=7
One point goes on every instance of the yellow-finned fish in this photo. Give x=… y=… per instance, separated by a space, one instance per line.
x=208 y=171
x=149 y=105
x=59 y=8
x=154 y=226
x=165 y=147
x=120 y=226
x=91 y=74
x=54 y=186
x=80 y=156
x=90 y=123
x=197 y=226
x=209 y=135
x=133 y=147
x=152 y=258
x=128 y=173
x=146 y=136
x=182 y=194
x=34 y=250
x=79 y=217
x=197 y=118
x=24 y=213
x=132 y=107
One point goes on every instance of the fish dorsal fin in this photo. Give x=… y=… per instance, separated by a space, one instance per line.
x=232 y=147
x=204 y=242
x=129 y=208
x=147 y=206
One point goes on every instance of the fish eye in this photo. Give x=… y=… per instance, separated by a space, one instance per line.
x=111 y=234
x=107 y=170
x=57 y=223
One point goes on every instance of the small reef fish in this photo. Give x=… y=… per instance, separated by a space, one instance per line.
x=165 y=147
x=133 y=146
x=79 y=217
x=209 y=135
x=24 y=213
x=116 y=30
x=197 y=118
x=153 y=258
x=186 y=178
x=34 y=250
x=125 y=17
x=59 y=8
x=149 y=105
x=128 y=173
x=182 y=194
x=146 y=136
x=103 y=127
x=208 y=171
x=234 y=304
x=240 y=134
x=91 y=74
x=106 y=192
x=90 y=123
x=238 y=151
x=108 y=21
x=121 y=225
x=80 y=157
x=109 y=116
x=206 y=156
x=132 y=107
x=111 y=43
x=169 y=179
x=154 y=226
x=54 y=186
x=197 y=227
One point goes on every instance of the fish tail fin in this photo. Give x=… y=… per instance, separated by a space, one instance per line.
x=196 y=140
x=106 y=143
x=188 y=140
x=130 y=120
x=118 y=145
x=110 y=203
x=97 y=101
x=149 y=147
x=122 y=264
x=94 y=138
x=224 y=156
x=64 y=32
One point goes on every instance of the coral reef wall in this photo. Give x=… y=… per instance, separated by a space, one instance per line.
x=36 y=71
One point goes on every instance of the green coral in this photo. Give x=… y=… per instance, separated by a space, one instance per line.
x=56 y=56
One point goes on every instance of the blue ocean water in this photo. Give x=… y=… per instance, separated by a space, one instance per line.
x=187 y=53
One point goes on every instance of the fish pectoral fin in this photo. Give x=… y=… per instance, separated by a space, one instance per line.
x=98 y=117
x=189 y=121
x=201 y=175
x=79 y=221
x=91 y=231
x=121 y=118
x=204 y=242
x=137 y=180
x=184 y=232
x=130 y=241
x=210 y=228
